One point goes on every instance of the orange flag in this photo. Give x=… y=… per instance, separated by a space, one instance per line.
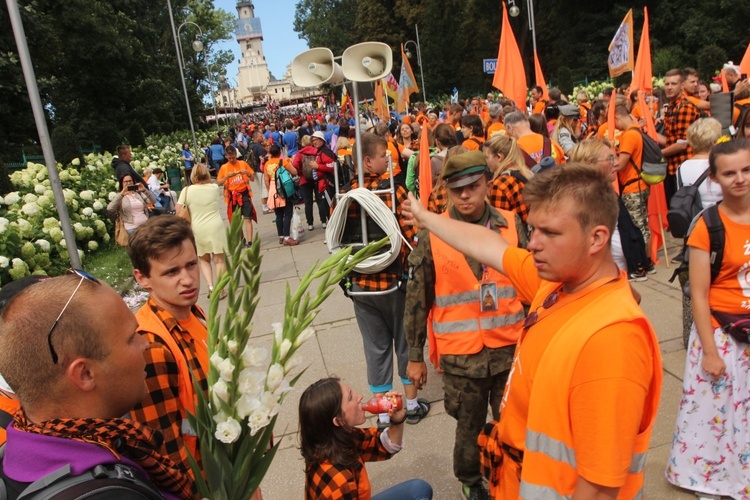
x=510 y=75
x=745 y=64
x=539 y=77
x=381 y=101
x=642 y=74
x=407 y=84
x=425 y=169
x=724 y=83
x=611 y=118
x=620 y=57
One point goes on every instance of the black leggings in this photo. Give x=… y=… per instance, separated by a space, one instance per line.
x=310 y=193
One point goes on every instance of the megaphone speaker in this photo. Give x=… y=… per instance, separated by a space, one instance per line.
x=315 y=67
x=367 y=62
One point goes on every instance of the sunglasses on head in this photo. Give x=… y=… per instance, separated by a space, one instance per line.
x=84 y=277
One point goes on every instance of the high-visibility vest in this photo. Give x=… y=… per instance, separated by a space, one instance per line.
x=459 y=325
x=549 y=461
x=9 y=406
x=149 y=322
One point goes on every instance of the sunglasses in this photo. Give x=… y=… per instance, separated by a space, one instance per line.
x=533 y=317
x=84 y=277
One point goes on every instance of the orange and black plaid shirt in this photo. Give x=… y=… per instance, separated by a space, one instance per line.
x=160 y=409
x=327 y=480
x=680 y=114
x=384 y=280
x=505 y=194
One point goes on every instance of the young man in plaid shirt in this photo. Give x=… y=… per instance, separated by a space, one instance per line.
x=680 y=114
x=165 y=263
x=381 y=317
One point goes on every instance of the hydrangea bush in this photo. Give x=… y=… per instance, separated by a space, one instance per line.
x=31 y=237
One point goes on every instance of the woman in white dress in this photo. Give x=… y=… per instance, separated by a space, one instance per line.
x=711 y=447
x=203 y=198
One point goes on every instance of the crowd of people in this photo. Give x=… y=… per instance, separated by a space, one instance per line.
x=515 y=274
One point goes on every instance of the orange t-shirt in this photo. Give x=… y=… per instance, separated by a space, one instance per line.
x=727 y=293
x=9 y=406
x=631 y=143
x=495 y=128
x=236 y=182
x=473 y=143
x=200 y=337
x=394 y=148
x=539 y=107
x=533 y=144
x=609 y=385
x=736 y=112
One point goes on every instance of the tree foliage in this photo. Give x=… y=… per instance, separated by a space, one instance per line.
x=572 y=39
x=106 y=68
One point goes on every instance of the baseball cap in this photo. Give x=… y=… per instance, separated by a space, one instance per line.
x=461 y=170
x=319 y=135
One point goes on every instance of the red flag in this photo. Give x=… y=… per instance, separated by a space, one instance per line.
x=642 y=74
x=745 y=64
x=425 y=169
x=539 y=77
x=510 y=75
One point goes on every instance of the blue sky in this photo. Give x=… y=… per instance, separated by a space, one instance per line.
x=280 y=42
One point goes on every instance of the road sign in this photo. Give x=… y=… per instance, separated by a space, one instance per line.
x=489 y=66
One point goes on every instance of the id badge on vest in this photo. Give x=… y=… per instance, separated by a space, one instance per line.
x=487 y=294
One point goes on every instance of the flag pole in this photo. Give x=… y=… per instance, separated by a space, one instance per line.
x=664 y=240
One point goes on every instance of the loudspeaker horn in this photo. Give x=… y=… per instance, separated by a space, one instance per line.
x=315 y=67
x=367 y=62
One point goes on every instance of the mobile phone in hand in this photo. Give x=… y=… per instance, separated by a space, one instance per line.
x=133 y=187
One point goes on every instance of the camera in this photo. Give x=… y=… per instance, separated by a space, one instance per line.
x=133 y=187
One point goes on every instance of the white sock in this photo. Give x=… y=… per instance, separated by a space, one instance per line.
x=384 y=418
x=412 y=404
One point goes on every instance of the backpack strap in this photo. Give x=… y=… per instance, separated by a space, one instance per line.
x=716 y=235
x=528 y=159
x=547 y=147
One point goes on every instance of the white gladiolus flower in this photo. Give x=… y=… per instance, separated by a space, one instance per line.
x=232 y=346
x=283 y=388
x=278 y=332
x=220 y=417
x=216 y=359
x=254 y=356
x=271 y=402
x=250 y=383
x=4 y=261
x=220 y=392
x=286 y=344
x=303 y=337
x=226 y=370
x=228 y=431
x=259 y=419
x=246 y=405
x=292 y=363
x=274 y=377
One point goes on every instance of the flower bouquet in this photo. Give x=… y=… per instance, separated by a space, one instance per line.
x=246 y=384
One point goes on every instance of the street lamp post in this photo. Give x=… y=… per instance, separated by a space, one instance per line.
x=198 y=46
x=514 y=11
x=182 y=75
x=419 y=58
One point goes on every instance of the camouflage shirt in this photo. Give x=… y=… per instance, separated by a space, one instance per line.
x=420 y=295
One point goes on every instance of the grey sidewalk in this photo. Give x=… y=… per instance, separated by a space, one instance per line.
x=336 y=349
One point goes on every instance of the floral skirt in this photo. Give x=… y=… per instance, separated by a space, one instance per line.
x=711 y=445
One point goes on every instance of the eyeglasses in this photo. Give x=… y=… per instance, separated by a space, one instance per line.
x=84 y=276
x=533 y=317
x=611 y=159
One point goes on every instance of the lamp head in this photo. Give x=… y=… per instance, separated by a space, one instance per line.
x=408 y=53
x=197 y=45
x=514 y=10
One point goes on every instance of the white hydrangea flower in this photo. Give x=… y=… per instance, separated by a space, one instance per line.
x=43 y=245
x=25 y=228
x=50 y=222
x=274 y=377
x=3 y=224
x=106 y=238
x=88 y=212
x=4 y=261
x=40 y=189
x=12 y=198
x=31 y=209
x=87 y=195
x=29 y=198
x=228 y=431
x=112 y=195
x=254 y=356
x=46 y=201
x=76 y=161
x=99 y=164
x=93 y=245
x=98 y=206
x=2 y=200
x=68 y=194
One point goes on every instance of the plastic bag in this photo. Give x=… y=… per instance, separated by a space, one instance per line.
x=296 y=225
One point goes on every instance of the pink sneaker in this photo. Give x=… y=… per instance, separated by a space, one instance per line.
x=290 y=242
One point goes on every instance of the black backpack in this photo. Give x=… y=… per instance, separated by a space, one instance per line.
x=716 y=237
x=546 y=162
x=653 y=162
x=684 y=207
x=744 y=110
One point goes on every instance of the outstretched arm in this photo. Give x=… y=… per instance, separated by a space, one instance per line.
x=474 y=241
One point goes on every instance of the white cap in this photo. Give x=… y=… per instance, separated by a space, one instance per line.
x=731 y=66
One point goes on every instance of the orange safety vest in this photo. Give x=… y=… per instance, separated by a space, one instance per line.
x=459 y=325
x=9 y=406
x=148 y=321
x=549 y=460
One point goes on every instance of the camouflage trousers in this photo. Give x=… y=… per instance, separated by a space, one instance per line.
x=637 y=205
x=466 y=400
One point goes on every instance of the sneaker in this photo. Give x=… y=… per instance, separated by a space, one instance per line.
x=637 y=276
x=651 y=269
x=415 y=416
x=678 y=258
x=281 y=240
x=310 y=227
x=290 y=242
x=475 y=492
x=383 y=425
x=325 y=224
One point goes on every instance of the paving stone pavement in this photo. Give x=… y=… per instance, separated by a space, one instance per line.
x=336 y=349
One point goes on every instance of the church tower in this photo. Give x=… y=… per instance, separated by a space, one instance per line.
x=253 y=75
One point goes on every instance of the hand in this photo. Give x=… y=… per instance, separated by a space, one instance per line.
x=416 y=372
x=400 y=414
x=412 y=211
x=713 y=365
x=124 y=191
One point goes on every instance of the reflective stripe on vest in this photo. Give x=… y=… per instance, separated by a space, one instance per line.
x=456 y=299
x=536 y=492
x=472 y=325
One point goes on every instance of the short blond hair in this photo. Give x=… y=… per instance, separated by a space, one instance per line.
x=703 y=133
x=200 y=173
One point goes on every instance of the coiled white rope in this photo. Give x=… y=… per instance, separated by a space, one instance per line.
x=383 y=217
